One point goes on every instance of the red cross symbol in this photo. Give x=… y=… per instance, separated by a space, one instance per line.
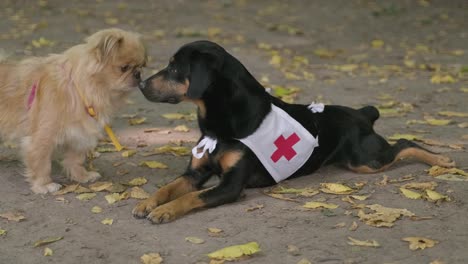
x=285 y=147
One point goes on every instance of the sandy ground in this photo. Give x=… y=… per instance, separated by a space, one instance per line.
x=416 y=40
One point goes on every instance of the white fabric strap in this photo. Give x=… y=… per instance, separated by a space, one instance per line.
x=316 y=108
x=205 y=144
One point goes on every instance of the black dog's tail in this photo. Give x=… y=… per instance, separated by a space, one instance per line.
x=370 y=112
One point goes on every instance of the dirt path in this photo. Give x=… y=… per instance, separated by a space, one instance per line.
x=409 y=57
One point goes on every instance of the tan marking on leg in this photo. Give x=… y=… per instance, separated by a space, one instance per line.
x=229 y=159
x=196 y=164
x=169 y=192
x=176 y=208
x=419 y=154
x=201 y=107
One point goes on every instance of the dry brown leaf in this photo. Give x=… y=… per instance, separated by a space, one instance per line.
x=335 y=188
x=46 y=241
x=85 y=196
x=353 y=227
x=81 y=189
x=280 y=197
x=67 y=189
x=139 y=193
x=213 y=231
x=136 y=121
x=437 y=170
x=416 y=243
x=153 y=164
x=383 y=216
x=107 y=221
x=151 y=258
x=420 y=185
x=314 y=205
x=255 y=207
x=181 y=128
x=363 y=243
x=13 y=216
x=293 y=250
x=194 y=240
x=100 y=186
x=410 y=194
x=137 y=181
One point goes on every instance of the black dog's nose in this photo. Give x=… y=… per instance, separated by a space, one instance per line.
x=142 y=84
x=137 y=75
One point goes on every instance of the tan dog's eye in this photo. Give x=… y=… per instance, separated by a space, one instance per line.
x=125 y=68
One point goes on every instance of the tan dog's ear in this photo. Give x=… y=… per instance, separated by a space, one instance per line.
x=103 y=43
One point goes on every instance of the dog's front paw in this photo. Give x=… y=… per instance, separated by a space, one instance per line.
x=45 y=188
x=162 y=214
x=88 y=176
x=142 y=209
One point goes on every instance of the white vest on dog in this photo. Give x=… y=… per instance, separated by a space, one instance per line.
x=281 y=143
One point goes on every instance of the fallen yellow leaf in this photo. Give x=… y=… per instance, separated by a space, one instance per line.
x=363 y=243
x=46 y=241
x=100 y=186
x=420 y=242
x=314 y=205
x=453 y=114
x=360 y=197
x=96 y=209
x=85 y=196
x=410 y=194
x=214 y=230
x=383 y=216
x=113 y=198
x=137 y=181
x=377 y=43
x=66 y=189
x=81 y=189
x=107 y=221
x=174 y=150
x=188 y=117
x=12 y=216
x=48 y=252
x=2 y=232
x=194 y=240
x=437 y=170
x=138 y=193
x=136 y=121
x=439 y=78
x=304 y=261
x=437 y=122
x=151 y=258
x=235 y=252
x=181 y=128
x=434 y=196
x=335 y=188
x=154 y=164
x=128 y=153
x=420 y=185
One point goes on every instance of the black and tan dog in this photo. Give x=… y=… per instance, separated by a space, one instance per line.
x=231 y=105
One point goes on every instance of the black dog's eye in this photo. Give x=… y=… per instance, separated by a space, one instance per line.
x=125 y=68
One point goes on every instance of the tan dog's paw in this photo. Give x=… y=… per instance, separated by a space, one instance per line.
x=162 y=214
x=90 y=176
x=446 y=162
x=46 y=188
x=142 y=209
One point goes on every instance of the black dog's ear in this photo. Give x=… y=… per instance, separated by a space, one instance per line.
x=203 y=67
x=200 y=77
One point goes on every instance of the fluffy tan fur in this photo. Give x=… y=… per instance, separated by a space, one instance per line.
x=105 y=68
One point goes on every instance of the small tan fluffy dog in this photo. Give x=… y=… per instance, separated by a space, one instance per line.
x=40 y=101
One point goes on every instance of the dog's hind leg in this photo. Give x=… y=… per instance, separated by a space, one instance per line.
x=37 y=155
x=389 y=154
x=228 y=190
x=195 y=176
